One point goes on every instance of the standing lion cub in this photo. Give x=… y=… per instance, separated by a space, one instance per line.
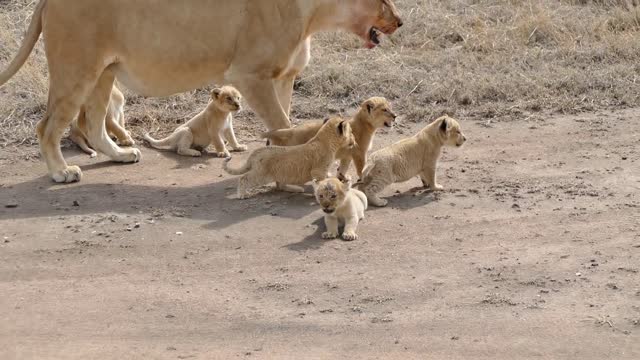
x=114 y=123
x=417 y=155
x=340 y=203
x=208 y=127
x=294 y=165
x=374 y=113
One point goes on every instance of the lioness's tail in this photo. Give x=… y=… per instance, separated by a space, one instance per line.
x=163 y=144
x=29 y=41
x=239 y=171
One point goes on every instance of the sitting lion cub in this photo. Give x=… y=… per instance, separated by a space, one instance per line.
x=206 y=128
x=374 y=113
x=340 y=203
x=417 y=155
x=295 y=165
x=114 y=122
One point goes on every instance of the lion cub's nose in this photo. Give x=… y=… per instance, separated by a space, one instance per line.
x=400 y=23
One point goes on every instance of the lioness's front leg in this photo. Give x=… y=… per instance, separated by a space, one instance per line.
x=331 y=222
x=350 y=226
x=261 y=95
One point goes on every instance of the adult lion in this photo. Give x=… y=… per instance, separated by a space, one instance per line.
x=163 y=47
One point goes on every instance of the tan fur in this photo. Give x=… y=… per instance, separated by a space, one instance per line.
x=341 y=204
x=114 y=122
x=417 y=155
x=373 y=114
x=257 y=46
x=295 y=165
x=208 y=127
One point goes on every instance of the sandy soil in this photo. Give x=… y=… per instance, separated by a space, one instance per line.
x=532 y=252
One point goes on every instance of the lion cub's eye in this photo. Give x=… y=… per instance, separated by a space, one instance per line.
x=321 y=196
x=334 y=196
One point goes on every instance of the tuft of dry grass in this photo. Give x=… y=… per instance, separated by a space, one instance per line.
x=479 y=59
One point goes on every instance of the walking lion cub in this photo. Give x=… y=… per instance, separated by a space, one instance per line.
x=295 y=165
x=340 y=203
x=417 y=155
x=374 y=113
x=208 y=127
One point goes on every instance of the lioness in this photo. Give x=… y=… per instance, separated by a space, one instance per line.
x=293 y=164
x=206 y=128
x=114 y=123
x=373 y=114
x=417 y=155
x=340 y=203
x=257 y=46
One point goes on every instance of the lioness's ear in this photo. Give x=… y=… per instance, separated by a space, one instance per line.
x=341 y=127
x=444 y=125
x=215 y=93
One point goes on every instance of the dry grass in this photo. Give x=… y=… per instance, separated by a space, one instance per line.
x=471 y=58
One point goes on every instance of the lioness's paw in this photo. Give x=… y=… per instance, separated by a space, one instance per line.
x=129 y=155
x=329 y=235
x=68 y=175
x=240 y=148
x=349 y=236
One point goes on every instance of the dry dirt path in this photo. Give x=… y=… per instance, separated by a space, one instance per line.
x=532 y=252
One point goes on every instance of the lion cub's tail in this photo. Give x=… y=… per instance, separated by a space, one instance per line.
x=239 y=171
x=277 y=137
x=164 y=144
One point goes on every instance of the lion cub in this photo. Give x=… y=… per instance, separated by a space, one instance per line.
x=340 y=203
x=417 y=155
x=294 y=164
x=373 y=114
x=208 y=127
x=114 y=122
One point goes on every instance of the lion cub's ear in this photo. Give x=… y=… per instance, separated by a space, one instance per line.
x=341 y=127
x=215 y=93
x=346 y=182
x=369 y=105
x=314 y=183
x=444 y=125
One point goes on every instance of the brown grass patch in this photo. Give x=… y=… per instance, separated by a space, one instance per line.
x=472 y=58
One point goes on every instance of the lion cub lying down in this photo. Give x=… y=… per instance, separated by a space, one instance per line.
x=295 y=165
x=417 y=155
x=340 y=203
x=373 y=114
x=114 y=122
x=208 y=127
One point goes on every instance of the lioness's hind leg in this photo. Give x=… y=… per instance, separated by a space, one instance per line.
x=261 y=95
x=96 y=109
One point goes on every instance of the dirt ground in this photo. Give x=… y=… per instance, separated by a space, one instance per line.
x=531 y=252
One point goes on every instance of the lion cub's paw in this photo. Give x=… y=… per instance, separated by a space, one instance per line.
x=240 y=148
x=437 y=187
x=127 y=142
x=349 y=236
x=329 y=235
x=379 y=202
x=223 y=154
